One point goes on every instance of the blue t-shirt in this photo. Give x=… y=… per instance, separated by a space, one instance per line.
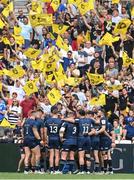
x=67 y=62
x=2 y=108
x=26 y=30
x=84 y=126
x=40 y=125
x=53 y=126
x=130 y=131
x=28 y=129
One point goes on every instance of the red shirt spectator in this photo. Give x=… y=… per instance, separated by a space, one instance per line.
x=27 y=105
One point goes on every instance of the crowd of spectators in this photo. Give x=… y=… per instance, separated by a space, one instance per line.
x=84 y=55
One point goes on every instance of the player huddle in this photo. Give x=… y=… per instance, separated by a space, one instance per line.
x=72 y=144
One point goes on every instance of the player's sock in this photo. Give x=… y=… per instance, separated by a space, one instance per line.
x=51 y=169
x=37 y=167
x=56 y=168
x=110 y=165
x=71 y=165
x=96 y=167
x=81 y=168
x=42 y=163
x=33 y=168
x=27 y=168
x=62 y=164
x=102 y=169
x=105 y=165
x=88 y=168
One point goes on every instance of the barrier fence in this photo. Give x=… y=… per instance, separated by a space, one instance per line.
x=123 y=158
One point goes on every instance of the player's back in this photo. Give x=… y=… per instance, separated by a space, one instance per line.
x=28 y=129
x=39 y=124
x=71 y=132
x=53 y=126
x=84 y=126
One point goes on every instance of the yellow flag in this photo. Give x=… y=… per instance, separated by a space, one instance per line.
x=126 y=60
x=32 y=53
x=60 y=76
x=19 y=39
x=49 y=67
x=41 y=19
x=5 y=123
x=17 y=30
x=87 y=36
x=8 y=9
x=59 y=28
x=72 y=81
x=54 y=96
x=122 y=26
x=5 y=40
x=46 y=1
x=38 y=64
x=132 y=12
x=98 y=101
x=51 y=58
x=30 y=87
x=12 y=126
x=115 y=1
x=114 y=87
x=1 y=73
x=2 y=24
x=108 y=39
x=55 y=4
x=0 y=87
x=95 y=79
x=15 y=73
x=4 y=1
x=61 y=44
x=76 y=2
x=36 y=7
x=49 y=78
x=83 y=8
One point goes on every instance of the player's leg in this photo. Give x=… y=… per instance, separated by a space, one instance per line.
x=36 y=151
x=71 y=161
x=21 y=162
x=110 y=166
x=88 y=161
x=97 y=161
x=87 y=149
x=81 y=155
x=63 y=160
x=57 y=159
x=33 y=162
x=105 y=160
x=27 y=158
x=51 y=160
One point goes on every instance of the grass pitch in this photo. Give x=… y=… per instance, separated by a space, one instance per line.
x=78 y=177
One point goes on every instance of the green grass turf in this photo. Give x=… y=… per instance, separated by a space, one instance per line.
x=78 y=177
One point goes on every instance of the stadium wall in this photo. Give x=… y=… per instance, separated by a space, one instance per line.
x=123 y=158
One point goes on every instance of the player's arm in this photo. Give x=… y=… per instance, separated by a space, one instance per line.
x=36 y=134
x=45 y=135
x=61 y=133
x=102 y=130
x=70 y=119
x=92 y=132
x=42 y=133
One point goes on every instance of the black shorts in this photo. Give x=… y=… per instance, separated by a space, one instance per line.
x=30 y=143
x=84 y=143
x=54 y=143
x=105 y=144
x=69 y=146
x=22 y=149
